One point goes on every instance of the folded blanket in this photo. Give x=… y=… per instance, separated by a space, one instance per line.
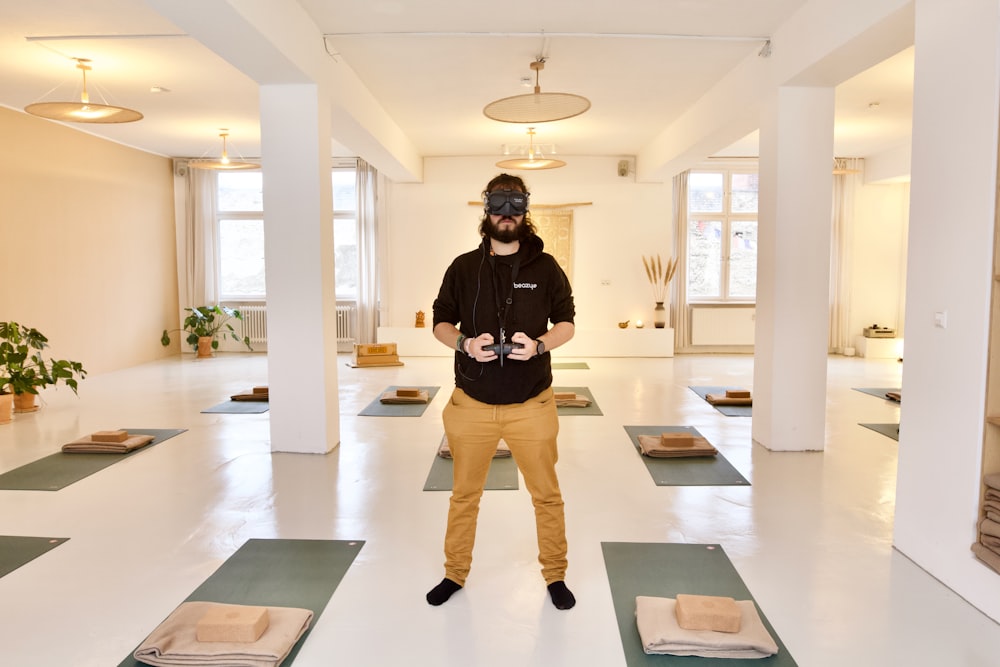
x=444 y=451
x=86 y=444
x=989 y=527
x=992 y=481
x=991 y=543
x=563 y=400
x=722 y=399
x=255 y=395
x=393 y=397
x=658 y=629
x=986 y=555
x=652 y=446
x=174 y=641
x=894 y=396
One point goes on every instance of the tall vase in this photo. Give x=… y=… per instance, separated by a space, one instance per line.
x=659 y=316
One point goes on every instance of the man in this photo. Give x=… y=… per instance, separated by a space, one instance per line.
x=493 y=308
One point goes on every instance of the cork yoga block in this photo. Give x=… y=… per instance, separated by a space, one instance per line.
x=407 y=392
x=677 y=439
x=232 y=623
x=109 y=436
x=737 y=393
x=260 y=390
x=564 y=395
x=707 y=612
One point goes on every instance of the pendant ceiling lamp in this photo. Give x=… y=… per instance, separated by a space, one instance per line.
x=223 y=162
x=531 y=157
x=536 y=107
x=83 y=111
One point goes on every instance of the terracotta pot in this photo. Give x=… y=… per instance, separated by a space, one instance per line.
x=6 y=408
x=204 y=347
x=24 y=403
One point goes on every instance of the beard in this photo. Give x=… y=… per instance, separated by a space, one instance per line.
x=518 y=233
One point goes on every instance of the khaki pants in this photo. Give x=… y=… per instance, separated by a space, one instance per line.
x=530 y=428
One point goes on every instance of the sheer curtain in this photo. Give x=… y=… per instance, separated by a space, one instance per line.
x=678 y=295
x=369 y=214
x=844 y=189
x=197 y=235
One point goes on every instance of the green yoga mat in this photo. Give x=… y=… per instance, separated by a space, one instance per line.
x=502 y=475
x=591 y=409
x=239 y=408
x=879 y=392
x=557 y=365
x=278 y=573
x=728 y=410
x=664 y=570
x=693 y=471
x=59 y=470
x=379 y=409
x=16 y=550
x=889 y=430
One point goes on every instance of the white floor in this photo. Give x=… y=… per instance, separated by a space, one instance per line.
x=812 y=536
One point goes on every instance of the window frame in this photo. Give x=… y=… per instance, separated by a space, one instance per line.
x=726 y=217
x=220 y=216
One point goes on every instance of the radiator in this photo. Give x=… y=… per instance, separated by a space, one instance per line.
x=714 y=325
x=254 y=323
x=346 y=319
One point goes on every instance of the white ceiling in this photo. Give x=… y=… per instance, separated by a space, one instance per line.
x=445 y=61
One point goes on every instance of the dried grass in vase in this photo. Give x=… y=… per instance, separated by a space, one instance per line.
x=658 y=275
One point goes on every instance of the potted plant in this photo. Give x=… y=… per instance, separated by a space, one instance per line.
x=659 y=278
x=24 y=369
x=205 y=325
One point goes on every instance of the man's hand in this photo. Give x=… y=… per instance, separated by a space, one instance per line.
x=527 y=351
x=476 y=346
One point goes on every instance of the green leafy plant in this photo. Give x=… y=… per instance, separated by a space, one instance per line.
x=23 y=368
x=211 y=321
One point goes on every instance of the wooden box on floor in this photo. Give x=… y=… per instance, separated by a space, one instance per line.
x=375 y=354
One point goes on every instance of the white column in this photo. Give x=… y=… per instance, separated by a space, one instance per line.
x=301 y=290
x=793 y=269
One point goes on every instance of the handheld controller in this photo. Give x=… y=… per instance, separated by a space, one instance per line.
x=504 y=350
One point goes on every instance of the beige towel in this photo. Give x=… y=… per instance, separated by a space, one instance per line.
x=986 y=555
x=992 y=480
x=392 y=397
x=991 y=543
x=989 y=527
x=87 y=445
x=444 y=451
x=652 y=446
x=722 y=399
x=660 y=634
x=578 y=401
x=173 y=642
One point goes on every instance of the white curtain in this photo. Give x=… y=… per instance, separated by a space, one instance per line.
x=844 y=188
x=679 y=314
x=369 y=204
x=197 y=235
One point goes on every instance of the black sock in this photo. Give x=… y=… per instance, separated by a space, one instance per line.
x=562 y=597
x=440 y=593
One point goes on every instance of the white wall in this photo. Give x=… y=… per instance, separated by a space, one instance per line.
x=432 y=222
x=950 y=264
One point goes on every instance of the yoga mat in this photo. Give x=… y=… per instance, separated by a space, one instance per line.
x=278 y=573
x=591 y=409
x=877 y=391
x=890 y=430
x=239 y=408
x=664 y=570
x=502 y=475
x=569 y=364
x=680 y=471
x=16 y=550
x=728 y=410
x=379 y=409
x=59 y=470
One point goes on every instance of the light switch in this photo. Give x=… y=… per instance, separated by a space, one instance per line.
x=941 y=319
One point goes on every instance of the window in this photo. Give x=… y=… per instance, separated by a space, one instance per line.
x=722 y=235
x=240 y=216
x=345 y=232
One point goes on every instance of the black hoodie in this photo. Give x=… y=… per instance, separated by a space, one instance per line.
x=475 y=292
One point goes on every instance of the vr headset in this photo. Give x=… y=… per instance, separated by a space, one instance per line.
x=506 y=202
